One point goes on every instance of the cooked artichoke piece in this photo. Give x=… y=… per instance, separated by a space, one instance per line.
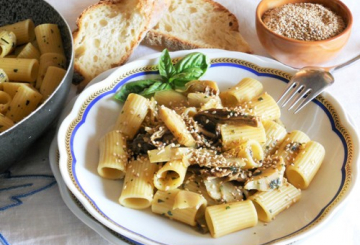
x=270 y=176
x=223 y=191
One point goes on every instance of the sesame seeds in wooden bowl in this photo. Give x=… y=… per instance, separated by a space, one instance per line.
x=302 y=33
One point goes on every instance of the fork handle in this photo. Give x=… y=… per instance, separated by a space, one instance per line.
x=337 y=67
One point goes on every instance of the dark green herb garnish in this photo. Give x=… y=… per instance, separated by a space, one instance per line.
x=173 y=77
x=275 y=184
x=4 y=40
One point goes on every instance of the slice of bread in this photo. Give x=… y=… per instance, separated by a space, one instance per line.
x=190 y=24
x=109 y=31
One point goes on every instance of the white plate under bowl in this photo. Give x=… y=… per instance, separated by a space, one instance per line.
x=95 y=111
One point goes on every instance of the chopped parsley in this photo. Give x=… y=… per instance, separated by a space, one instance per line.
x=275 y=184
x=2 y=39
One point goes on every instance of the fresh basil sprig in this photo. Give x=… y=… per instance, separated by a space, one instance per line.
x=190 y=67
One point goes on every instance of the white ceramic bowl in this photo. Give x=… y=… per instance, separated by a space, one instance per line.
x=95 y=111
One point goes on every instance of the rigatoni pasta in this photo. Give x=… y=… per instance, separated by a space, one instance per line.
x=29 y=51
x=245 y=90
x=233 y=135
x=226 y=218
x=132 y=115
x=113 y=155
x=5 y=100
x=306 y=164
x=7 y=42
x=49 y=38
x=25 y=70
x=219 y=168
x=25 y=101
x=138 y=187
x=172 y=204
x=47 y=60
x=270 y=203
x=23 y=30
x=171 y=175
x=21 y=66
x=5 y=123
x=51 y=81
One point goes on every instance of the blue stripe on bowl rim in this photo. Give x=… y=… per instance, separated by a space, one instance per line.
x=237 y=64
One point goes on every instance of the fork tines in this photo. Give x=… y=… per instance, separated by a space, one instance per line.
x=295 y=92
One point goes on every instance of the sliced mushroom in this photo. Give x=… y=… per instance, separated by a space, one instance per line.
x=210 y=118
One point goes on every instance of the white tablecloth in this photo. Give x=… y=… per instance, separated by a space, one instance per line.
x=33 y=212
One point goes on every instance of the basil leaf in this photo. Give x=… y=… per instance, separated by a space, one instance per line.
x=179 y=80
x=158 y=86
x=193 y=60
x=166 y=67
x=133 y=87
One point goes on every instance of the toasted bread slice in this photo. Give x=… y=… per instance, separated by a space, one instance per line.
x=197 y=24
x=109 y=31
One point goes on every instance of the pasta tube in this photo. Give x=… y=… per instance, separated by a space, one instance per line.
x=7 y=43
x=170 y=98
x=227 y=218
x=12 y=87
x=5 y=123
x=275 y=134
x=233 y=135
x=24 y=70
x=132 y=115
x=245 y=90
x=168 y=153
x=263 y=106
x=306 y=165
x=290 y=146
x=23 y=30
x=177 y=126
x=49 y=39
x=52 y=79
x=180 y=205
x=204 y=101
x=29 y=52
x=24 y=102
x=47 y=60
x=171 y=175
x=138 y=187
x=5 y=100
x=250 y=152
x=268 y=204
x=113 y=156
x=3 y=78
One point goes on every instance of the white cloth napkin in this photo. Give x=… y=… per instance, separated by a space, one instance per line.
x=33 y=212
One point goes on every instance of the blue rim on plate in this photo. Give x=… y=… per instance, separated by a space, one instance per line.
x=337 y=126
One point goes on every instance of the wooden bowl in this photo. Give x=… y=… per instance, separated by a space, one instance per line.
x=298 y=53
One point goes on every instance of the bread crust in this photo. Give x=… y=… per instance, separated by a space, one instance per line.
x=177 y=41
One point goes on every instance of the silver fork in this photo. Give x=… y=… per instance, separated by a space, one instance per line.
x=307 y=83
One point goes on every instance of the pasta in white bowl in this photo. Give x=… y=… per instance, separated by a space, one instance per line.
x=95 y=113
